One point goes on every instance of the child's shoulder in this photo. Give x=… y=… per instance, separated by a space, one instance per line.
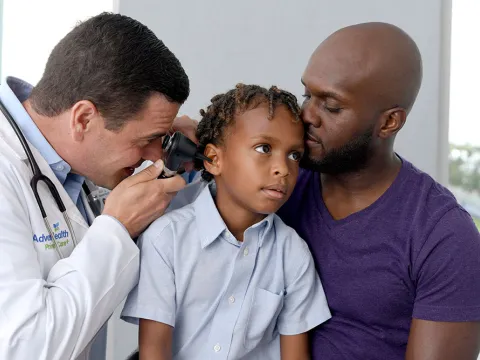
x=291 y=243
x=168 y=226
x=294 y=252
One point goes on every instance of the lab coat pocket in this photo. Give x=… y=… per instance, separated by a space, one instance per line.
x=262 y=318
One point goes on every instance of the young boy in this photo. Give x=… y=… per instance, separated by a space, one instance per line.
x=224 y=277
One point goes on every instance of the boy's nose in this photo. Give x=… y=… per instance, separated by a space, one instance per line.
x=281 y=168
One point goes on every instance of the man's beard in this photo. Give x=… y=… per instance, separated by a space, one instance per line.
x=351 y=157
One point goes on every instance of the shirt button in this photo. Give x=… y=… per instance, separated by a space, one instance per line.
x=245 y=252
x=231 y=299
x=217 y=348
x=60 y=167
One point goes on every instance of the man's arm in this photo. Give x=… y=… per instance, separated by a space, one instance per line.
x=56 y=317
x=155 y=340
x=294 y=347
x=446 y=313
x=431 y=340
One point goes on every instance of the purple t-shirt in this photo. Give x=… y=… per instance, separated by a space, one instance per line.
x=413 y=253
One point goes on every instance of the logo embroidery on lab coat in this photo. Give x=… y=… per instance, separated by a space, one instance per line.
x=58 y=235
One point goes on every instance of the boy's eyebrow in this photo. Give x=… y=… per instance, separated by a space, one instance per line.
x=265 y=137
x=272 y=139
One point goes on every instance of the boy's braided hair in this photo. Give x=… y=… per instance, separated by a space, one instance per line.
x=224 y=107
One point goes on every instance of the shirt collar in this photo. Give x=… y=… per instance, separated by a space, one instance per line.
x=13 y=92
x=265 y=226
x=210 y=224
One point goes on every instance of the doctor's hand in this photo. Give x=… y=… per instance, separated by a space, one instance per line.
x=140 y=199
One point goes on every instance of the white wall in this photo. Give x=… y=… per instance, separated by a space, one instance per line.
x=29 y=36
x=269 y=42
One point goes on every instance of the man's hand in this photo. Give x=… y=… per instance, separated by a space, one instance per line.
x=140 y=199
x=187 y=126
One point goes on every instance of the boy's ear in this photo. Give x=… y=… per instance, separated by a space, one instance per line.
x=215 y=153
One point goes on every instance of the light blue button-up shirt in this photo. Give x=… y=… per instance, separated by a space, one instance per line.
x=13 y=92
x=226 y=299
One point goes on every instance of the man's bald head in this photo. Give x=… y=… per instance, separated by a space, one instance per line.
x=380 y=56
x=360 y=84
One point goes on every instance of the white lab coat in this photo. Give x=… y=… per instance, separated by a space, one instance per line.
x=50 y=308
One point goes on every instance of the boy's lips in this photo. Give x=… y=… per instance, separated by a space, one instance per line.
x=276 y=191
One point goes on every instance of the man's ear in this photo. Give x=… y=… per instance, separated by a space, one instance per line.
x=84 y=116
x=392 y=121
x=216 y=154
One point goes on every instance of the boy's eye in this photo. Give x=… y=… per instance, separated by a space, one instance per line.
x=264 y=149
x=295 y=156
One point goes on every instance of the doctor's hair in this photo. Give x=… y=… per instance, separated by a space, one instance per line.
x=220 y=114
x=113 y=61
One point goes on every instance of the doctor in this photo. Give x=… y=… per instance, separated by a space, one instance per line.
x=110 y=91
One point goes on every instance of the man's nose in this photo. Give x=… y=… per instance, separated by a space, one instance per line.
x=309 y=115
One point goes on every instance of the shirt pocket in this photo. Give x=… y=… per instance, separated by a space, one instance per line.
x=262 y=317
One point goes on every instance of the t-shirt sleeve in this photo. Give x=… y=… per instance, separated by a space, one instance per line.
x=305 y=305
x=447 y=271
x=154 y=296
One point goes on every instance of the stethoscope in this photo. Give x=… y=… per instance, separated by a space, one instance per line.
x=37 y=177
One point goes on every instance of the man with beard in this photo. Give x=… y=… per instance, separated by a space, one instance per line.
x=398 y=257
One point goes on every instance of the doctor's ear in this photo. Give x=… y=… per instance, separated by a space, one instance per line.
x=216 y=154
x=84 y=116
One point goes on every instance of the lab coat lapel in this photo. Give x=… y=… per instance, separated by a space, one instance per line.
x=11 y=139
x=72 y=210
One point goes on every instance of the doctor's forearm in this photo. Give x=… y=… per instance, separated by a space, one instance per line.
x=98 y=275
x=57 y=318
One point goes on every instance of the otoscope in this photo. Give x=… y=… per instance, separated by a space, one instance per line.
x=179 y=149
